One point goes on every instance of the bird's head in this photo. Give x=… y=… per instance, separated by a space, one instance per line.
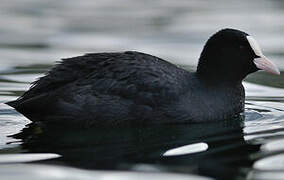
x=230 y=55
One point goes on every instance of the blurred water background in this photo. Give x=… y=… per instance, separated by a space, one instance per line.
x=35 y=34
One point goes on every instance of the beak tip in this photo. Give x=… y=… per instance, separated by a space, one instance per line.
x=275 y=71
x=265 y=64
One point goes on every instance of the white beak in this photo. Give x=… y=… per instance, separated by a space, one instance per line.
x=262 y=62
x=266 y=65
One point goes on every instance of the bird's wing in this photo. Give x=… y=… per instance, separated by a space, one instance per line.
x=143 y=78
x=137 y=76
x=67 y=71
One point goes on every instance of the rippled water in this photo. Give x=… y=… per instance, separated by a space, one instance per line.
x=35 y=34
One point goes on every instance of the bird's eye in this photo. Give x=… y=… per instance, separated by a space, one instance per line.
x=242 y=47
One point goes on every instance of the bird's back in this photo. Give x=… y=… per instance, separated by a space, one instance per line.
x=112 y=86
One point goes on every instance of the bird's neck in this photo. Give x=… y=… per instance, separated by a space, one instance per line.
x=218 y=79
x=211 y=72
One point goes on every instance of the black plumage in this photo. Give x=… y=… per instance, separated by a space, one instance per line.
x=129 y=88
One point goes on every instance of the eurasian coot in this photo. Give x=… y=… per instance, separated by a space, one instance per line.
x=129 y=88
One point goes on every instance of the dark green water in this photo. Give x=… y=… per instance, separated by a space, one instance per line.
x=35 y=34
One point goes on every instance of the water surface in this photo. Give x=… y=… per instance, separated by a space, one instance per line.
x=35 y=34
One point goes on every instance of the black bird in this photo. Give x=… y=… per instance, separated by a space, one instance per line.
x=130 y=88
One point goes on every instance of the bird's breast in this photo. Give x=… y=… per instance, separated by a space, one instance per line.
x=210 y=104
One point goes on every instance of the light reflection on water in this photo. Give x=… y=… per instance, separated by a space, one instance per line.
x=34 y=34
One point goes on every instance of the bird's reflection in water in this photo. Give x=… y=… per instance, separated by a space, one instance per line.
x=126 y=148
